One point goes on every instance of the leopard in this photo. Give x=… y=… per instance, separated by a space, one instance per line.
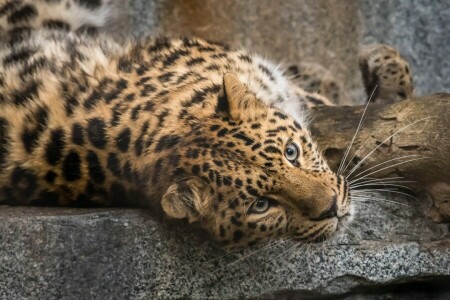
x=194 y=130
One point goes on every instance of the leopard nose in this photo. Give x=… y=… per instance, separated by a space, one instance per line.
x=331 y=212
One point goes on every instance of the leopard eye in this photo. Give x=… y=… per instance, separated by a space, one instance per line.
x=261 y=205
x=291 y=152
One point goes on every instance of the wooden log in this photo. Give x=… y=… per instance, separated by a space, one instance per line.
x=416 y=132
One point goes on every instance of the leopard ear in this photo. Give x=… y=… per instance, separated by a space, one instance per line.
x=242 y=104
x=189 y=198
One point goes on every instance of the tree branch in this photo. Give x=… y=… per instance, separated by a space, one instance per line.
x=422 y=138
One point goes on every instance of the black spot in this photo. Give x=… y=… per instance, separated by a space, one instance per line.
x=297 y=125
x=96 y=132
x=30 y=136
x=195 y=61
x=77 y=134
x=113 y=165
x=135 y=112
x=238 y=234
x=50 y=176
x=92 y=100
x=222 y=231
x=314 y=101
x=8 y=7
x=167 y=142
x=195 y=169
x=235 y=221
x=72 y=166
x=256 y=126
x=56 y=24
x=214 y=127
x=262 y=228
x=227 y=180
x=46 y=198
x=165 y=77
x=26 y=13
x=256 y=146
x=222 y=103
x=123 y=140
x=272 y=149
x=238 y=183
x=252 y=191
x=130 y=97
x=147 y=89
x=266 y=71
x=54 y=149
x=95 y=169
x=242 y=136
x=91 y=4
x=139 y=145
x=159 y=44
x=70 y=105
x=280 y=115
x=205 y=167
x=18 y=56
x=25 y=95
x=245 y=58
x=174 y=56
x=124 y=65
x=222 y=132
x=157 y=171
x=3 y=141
x=23 y=182
x=251 y=225
x=118 y=194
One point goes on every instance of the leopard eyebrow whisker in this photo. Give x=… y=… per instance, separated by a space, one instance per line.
x=361 y=121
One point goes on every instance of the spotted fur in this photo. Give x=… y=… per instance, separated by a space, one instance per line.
x=190 y=128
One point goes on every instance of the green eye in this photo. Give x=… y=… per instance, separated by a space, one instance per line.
x=291 y=152
x=261 y=205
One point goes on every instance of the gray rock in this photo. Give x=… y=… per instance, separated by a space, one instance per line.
x=124 y=253
x=320 y=31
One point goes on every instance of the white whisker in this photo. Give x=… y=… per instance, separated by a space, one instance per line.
x=384 y=162
x=356 y=132
x=380 y=200
x=371 y=152
x=384 y=190
x=382 y=169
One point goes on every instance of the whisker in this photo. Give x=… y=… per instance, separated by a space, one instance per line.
x=371 y=152
x=270 y=245
x=384 y=162
x=381 y=181
x=356 y=132
x=386 y=190
x=384 y=184
x=382 y=169
x=380 y=200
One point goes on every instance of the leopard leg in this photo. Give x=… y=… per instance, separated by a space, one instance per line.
x=316 y=81
x=385 y=73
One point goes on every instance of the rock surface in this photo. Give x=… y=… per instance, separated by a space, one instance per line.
x=320 y=31
x=123 y=253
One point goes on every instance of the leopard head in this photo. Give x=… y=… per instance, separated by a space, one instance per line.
x=257 y=176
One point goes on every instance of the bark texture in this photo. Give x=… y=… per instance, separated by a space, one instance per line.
x=423 y=139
